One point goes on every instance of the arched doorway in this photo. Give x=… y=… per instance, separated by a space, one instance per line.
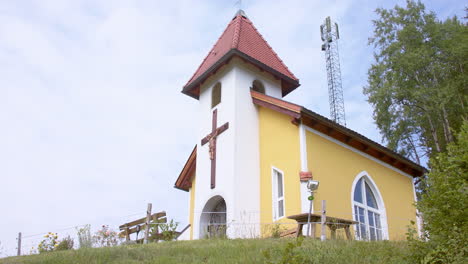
x=213 y=218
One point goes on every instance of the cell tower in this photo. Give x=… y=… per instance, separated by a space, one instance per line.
x=330 y=36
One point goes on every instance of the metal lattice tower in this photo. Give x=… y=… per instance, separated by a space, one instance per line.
x=330 y=35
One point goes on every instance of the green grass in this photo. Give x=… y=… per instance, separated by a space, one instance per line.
x=228 y=251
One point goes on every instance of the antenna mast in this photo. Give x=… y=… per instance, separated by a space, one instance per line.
x=330 y=35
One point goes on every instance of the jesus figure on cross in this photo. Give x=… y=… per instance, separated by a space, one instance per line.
x=211 y=139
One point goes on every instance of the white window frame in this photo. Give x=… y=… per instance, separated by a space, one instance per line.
x=380 y=204
x=275 y=198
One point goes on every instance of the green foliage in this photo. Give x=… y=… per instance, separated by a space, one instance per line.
x=49 y=243
x=289 y=255
x=84 y=237
x=65 y=244
x=215 y=251
x=166 y=231
x=106 y=237
x=417 y=84
x=443 y=206
x=276 y=231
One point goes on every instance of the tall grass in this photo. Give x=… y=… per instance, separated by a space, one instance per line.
x=228 y=251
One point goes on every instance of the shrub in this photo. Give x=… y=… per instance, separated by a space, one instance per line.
x=168 y=231
x=49 y=243
x=65 y=244
x=84 y=237
x=443 y=206
x=163 y=231
x=106 y=237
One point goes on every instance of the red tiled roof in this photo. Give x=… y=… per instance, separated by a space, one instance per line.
x=242 y=36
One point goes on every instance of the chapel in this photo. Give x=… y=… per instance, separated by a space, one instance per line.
x=256 y=153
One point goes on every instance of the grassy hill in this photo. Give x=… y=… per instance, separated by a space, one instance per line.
x=228 y=251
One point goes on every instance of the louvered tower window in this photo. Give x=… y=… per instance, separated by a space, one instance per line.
x=216 y=95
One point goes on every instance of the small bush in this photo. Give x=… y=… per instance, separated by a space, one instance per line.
x=443 y=207
x=168 y=231
x=49 y=243
x=106 y=237
x=163 y=231
x=65 y=244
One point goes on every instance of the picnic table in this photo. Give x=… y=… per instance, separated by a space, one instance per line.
x=333 y=223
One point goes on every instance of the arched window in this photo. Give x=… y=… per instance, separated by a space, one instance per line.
x=368 y=210
x=258 y=87
x=216 y=95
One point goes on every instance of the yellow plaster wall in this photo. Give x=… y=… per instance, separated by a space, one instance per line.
x=336 y=168
x=192 y=203
x=279 y=147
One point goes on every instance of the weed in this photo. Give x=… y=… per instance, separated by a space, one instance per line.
x=289 y=254
x=84 y=237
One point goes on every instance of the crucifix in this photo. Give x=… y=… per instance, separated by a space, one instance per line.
x=211 y=139
x=239 y=4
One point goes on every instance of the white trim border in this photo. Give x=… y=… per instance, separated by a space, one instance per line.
x=274 y=193
x=303 y=148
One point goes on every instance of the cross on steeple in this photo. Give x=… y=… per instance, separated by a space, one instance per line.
x=211 y=138
x=239 y=4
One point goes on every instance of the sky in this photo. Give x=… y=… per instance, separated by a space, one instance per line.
x=93 y=124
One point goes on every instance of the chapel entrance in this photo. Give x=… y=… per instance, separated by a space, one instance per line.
x=213 y=218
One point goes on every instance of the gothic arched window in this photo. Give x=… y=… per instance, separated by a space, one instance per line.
x=258 y=87
x=216 y=95
x=368 y=210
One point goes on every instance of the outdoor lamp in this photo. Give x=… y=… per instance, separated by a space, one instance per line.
x=312 y=185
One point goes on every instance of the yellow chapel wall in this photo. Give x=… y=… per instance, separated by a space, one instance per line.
x=191 y=209
x=336 y=167
x=279 y=148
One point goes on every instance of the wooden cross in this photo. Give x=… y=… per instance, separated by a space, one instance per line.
x=211 y=139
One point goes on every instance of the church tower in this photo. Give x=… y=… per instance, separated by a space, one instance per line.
x=223 y=172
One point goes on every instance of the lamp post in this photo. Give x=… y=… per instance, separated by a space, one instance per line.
x=312 y=185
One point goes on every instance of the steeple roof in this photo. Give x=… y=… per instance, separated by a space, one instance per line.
x=241 y=39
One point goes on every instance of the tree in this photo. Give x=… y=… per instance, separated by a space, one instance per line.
x=417 y=84
x=443 y=205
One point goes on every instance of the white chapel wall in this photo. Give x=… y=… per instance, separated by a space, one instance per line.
x=224 y=150
x=237 y=151
x=247 y=170
x=272 y=86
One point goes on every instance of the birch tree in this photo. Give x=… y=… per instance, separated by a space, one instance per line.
x=417 y=84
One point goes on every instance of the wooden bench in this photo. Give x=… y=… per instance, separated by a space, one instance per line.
x=333 y=223
x=140 y=224
x=289 y=233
